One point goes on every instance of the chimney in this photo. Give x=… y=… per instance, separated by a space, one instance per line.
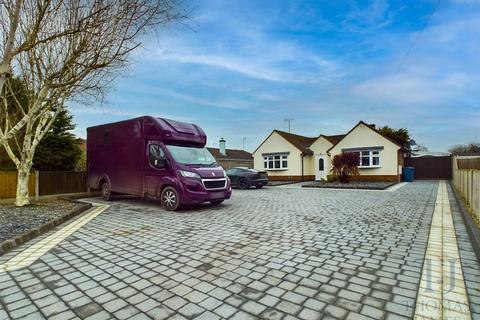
x=222 y=149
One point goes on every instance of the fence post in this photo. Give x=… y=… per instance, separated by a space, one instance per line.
x=37 y=185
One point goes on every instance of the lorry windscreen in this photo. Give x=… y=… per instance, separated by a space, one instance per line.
x=192 y=155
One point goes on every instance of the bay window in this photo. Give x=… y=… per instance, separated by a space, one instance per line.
x=369 y=158
x=275 y=162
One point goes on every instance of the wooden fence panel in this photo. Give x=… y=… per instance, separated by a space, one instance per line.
x=227 y=164
x=8 y=184
x=467 y=181
x=431 y=167
x=469 y=163
x=59 y=182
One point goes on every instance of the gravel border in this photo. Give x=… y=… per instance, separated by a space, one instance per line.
x=363 y=185
x=275 y=183
x=18 y=240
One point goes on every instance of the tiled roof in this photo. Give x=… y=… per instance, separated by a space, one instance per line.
x=372 y=127
x=301 y=142
x=231 y=154
x=334 y=139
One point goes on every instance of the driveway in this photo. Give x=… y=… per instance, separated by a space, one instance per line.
x=275 y=253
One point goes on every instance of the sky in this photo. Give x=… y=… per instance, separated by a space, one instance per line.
x=239 y=68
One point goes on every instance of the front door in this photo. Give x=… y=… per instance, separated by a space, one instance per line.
x=321 y=166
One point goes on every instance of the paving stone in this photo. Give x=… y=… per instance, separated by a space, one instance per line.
x=20 y=312
x=348 y=304
x=160 y=312
x=63 y=316
x=288 y=307
x=372 y=312
x=335 y=311
x=88 y=309
x=191 y=310
x=175 y=302
x=54 y=309
x=225 y=310
x=140 y=316
x=294 y=297
x=147 y=305
x=114 y=305
x=272 y=314
x=210 y=303
x=126 y=312
x=282 y=249
x=102 y=315
x=309 y=314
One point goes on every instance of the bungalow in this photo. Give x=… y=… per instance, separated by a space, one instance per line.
x=287 y=156
x=229 y=158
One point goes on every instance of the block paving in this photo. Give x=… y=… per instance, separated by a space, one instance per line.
x=269 y=254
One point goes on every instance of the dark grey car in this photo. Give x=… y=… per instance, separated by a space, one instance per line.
x=245 y=178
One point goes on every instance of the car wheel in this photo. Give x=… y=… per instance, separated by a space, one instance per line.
x=169 y=199
x=243 y=183
x=216 y=202
x=106 y=191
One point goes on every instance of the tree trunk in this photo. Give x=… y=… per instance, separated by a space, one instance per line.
x=22 y=198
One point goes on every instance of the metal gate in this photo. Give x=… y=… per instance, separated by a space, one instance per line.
x=431 y=167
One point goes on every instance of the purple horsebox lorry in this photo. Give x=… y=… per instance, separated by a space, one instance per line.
x=155 y=158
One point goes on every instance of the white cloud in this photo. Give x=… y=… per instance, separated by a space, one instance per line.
x=229 y=104
x=244 y=66
x=122 y=113
x=407 y=88
x=375 y=16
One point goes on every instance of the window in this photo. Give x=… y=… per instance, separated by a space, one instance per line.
x=365 y=159
x=156 y=156
x=321 y=164
x=275 y=162
x=192 y=155
x=232 y=171
x=369 y=159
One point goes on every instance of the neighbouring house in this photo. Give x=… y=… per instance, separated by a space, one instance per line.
x=287 y=156
x=229 y=158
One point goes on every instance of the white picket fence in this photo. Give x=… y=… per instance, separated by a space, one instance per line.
x=467 y=181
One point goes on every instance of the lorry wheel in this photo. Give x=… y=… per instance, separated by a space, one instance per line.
x=216 y=202
x=169 y=199
x=243 y=184
x=106 y=191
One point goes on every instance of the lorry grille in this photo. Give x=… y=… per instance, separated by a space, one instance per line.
x=212 y=184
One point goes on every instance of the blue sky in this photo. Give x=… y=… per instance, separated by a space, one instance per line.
x=238 y=68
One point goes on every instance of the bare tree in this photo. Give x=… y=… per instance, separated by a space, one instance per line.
x=62 y=50
x=419 y=147
x=472 y=147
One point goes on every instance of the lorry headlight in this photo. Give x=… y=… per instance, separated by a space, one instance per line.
x=189 y=174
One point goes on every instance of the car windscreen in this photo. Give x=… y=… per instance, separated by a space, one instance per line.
x=191 y=155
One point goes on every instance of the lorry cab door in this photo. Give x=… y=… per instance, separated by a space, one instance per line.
x=156 y=169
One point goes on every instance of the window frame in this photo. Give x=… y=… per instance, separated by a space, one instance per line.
x=371 y=155
x=162 y=155
x=275 y=162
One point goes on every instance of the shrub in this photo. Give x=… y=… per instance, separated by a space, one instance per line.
x=332 y=178
x=345 y=165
